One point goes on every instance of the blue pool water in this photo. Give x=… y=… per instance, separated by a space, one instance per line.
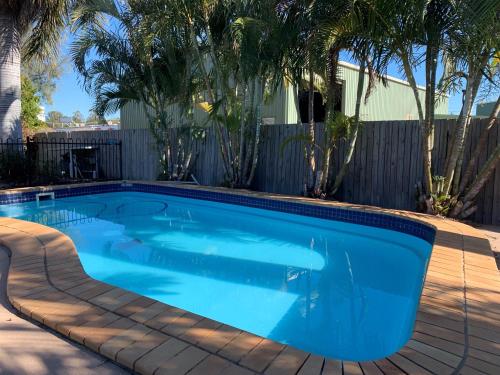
x=336 y=289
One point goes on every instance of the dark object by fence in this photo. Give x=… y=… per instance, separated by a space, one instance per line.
x=51 y=161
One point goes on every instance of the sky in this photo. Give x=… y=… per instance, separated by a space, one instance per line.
x=70 y=97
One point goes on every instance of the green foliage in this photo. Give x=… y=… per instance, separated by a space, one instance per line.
x=39 y=22
x=43 y=74
x=77 y=117
x=22 y=169
x=94 y=118
x=30 y=105
x=54 y=117
x=441 y=202
x=15 y=167
x=341 y=126
x=295 y=138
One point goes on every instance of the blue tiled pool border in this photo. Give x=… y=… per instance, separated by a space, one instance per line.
x=385 y=221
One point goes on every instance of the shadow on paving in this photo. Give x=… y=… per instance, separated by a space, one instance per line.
x=26 y=348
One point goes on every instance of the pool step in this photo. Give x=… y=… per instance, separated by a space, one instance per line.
x=45 y=196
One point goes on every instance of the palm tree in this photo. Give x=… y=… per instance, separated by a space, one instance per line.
x=140 y=57
x=238 y=52
x=322 y=30
x=472 y=49
x=38 y=24
x=428 y=33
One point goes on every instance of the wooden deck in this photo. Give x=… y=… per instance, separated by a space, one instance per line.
x=457 y=329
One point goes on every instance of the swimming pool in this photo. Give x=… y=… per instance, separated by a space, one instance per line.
x=338 y=289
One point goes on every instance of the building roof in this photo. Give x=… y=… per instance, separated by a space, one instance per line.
x=348 y=65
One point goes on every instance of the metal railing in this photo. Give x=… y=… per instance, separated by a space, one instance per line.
x=51 y=161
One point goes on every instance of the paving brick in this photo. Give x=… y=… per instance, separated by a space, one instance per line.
x=312 y=366
x=211 y=365
x=179 y=325
x=182 y=362
x=168 y=315
x=99 y=335
x=116 y=343
x=262 y=355
x=136 y=306
x=289 y=361
x=240 y=346
x=148 y=313
x=129 y=355
x=148 y=363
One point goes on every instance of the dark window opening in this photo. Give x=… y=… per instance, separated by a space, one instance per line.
x=319 y=105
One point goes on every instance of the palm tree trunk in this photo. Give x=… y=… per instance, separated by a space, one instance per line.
x=430 y=99
x=481 y=145
x=354 y=136
x=453 y=164
x=458 y=168
x=459 y=138
x=248 y=138
x=212 y=98
x=463 y=208
x=297 y=103
x=413 y=84
x=243 y=96
x=258 y=119
x=10 y=79
x=460 y=132
x=311 y=161
x=326 y=166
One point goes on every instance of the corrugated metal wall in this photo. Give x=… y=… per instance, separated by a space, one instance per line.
x=133 y=116
x=394 y=102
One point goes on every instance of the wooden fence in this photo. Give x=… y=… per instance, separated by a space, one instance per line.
x=385 y=167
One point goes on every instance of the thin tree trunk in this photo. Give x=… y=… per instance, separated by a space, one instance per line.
x=297 y=104
x=328 y=132
x=211 y=96
x=242 y=131
x=458 y=168
x=457 y=174
x=430 y=99
x=481 y=145
x=484 y=174
x=352 y=142
x=413 y=84
x=311 y=161
x=459 y=135
x=473 y=81
x=258 y=119
x=248 y=153
x=454 y=160
x=10 y=79
x=326 y=166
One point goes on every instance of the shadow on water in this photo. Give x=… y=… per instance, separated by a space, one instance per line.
x=142 y=283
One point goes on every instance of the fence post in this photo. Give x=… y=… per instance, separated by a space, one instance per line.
x=121 y=160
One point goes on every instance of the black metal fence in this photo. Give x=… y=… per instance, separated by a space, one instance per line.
x=49 y=161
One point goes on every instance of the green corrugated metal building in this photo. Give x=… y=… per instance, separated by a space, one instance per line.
x=393 y=102
x=485 y=109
